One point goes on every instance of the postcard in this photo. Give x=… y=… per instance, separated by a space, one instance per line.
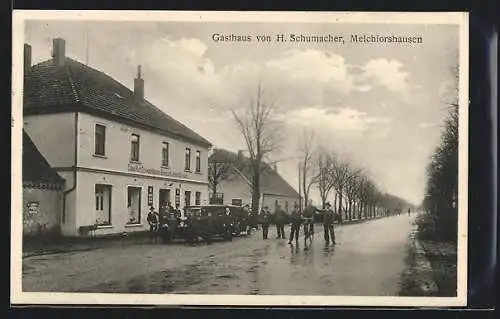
x=239 y=158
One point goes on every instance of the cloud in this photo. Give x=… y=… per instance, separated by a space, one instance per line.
x=386 y=73
x=334 y=119
x=314 y=67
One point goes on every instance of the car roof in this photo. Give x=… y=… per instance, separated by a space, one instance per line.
x=214 y=205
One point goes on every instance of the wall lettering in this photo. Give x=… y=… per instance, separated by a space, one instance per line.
x=132 y=167
x=150 y=195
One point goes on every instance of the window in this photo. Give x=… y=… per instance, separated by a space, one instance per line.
x=100 y=140
x=276 y=205
x=134 y=156
x=187 y=160
x=236 y=201
x=102 y=204
x=164 y=154
x=197 y=198
x=134 y=205
x=286 y=207
x=187 y=198
x=198 y=162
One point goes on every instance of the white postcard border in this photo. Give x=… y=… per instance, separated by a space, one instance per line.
x=19 y=297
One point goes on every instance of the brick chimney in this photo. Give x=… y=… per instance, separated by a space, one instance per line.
x=27 y=57
x=139 y=85
x=59 y=51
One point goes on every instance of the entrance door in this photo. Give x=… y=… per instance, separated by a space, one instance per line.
x=164 y=198
x=103 y=204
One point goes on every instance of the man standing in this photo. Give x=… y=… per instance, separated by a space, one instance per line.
x=265 y=220
x=279 y=219
x=308 y=215
x=153 y=221
x=296 y=221
x=328 y=220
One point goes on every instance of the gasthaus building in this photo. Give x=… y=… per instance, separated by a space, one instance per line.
x=118 y=153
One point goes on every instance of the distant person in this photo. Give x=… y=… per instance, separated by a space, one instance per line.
x=248 y=218
x=153 y=221
x=328 y=224
x=265 y=220
x=279 y=220
x=296 y=221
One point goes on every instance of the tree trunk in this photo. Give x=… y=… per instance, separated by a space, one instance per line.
x=214 y=189
x=304 y=188
x=340 y=205
x=256 y=192
x=349 y=209
x=335 y=203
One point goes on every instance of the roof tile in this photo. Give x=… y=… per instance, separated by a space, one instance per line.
x=272 y=182
x=48 y=84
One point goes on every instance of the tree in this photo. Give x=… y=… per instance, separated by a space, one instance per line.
x=351 y=190
x=342 y=173
x=442 y=171
x=262 y=137
x=366 y=187
x=307 y=166
x=220 y=168
x=324 y=178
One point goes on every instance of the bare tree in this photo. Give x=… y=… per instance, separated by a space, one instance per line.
x=442 y=181
x=308 y=171
x=341 y=174
x=262 y=138
x=351 y=189
x=365 y=186
x=324 y=178
x=219 y=169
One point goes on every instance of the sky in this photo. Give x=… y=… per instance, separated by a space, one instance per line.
x=380 y=105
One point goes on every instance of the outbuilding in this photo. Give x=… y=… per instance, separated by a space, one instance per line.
x=42 y=193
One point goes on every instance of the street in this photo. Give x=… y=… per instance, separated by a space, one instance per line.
x=367 y=261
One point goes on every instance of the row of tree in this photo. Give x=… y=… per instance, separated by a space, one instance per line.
x=355 y=194
x=441 y=199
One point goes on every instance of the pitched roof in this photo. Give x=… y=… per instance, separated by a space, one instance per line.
x=272 y=182
x=51 y=86
x=35 y=166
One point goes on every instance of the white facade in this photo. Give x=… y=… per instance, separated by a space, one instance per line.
x=236 y=187
x=111 y=190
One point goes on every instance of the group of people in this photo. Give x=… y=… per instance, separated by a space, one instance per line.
x=156 y=219
x=298 y=218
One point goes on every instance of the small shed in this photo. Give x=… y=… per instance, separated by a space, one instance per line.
x=42 y=193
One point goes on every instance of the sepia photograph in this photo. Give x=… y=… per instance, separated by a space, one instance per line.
x=239 y=158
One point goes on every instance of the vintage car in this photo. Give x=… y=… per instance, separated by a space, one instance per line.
x=172 y=226
x=209 y=221
x=240 y=218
